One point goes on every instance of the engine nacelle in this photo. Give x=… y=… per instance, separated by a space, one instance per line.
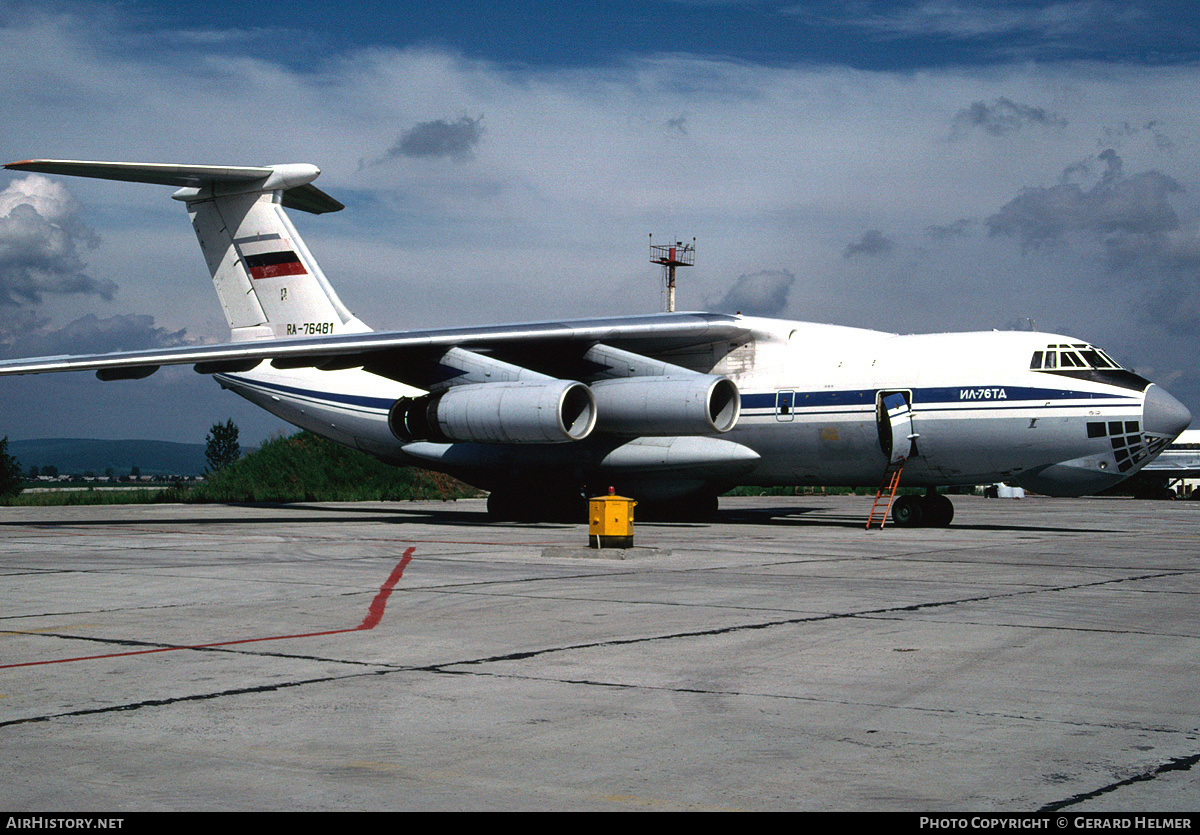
x=686 y=404
x=501 y=413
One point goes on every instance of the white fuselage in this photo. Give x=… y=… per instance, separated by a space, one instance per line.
x=809 y=415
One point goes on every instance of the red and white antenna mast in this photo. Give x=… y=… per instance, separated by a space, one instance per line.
x=671 y=256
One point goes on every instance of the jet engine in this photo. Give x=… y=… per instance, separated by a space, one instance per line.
x=687 y=404
x=505 y=412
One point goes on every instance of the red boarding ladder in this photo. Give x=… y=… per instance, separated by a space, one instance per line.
x=891 y=481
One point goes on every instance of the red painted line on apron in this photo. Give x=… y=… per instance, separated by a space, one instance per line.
x=375 y=612
x=374 y=616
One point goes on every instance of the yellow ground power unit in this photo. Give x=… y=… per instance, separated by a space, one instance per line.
x=610 y=521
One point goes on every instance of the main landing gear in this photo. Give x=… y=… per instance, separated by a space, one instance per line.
x=933 y=510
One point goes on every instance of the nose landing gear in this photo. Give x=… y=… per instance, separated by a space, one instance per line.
x=933 y=510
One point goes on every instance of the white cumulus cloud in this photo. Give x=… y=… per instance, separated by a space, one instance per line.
x=41 y=236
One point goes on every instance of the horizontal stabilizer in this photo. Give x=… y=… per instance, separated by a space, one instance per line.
x=305 y=197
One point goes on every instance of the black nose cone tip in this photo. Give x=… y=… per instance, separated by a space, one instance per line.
x=1163 y=415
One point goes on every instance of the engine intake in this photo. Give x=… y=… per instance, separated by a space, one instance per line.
x=502 y=413
x=686 y=404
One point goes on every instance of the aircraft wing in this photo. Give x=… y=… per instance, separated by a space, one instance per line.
x=390 y=354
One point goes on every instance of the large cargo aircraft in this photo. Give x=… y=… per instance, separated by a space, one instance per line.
x=671 y=409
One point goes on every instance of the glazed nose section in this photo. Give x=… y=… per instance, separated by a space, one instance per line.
x=1163 y=415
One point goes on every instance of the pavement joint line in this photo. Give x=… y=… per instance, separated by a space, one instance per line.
x=1175 y=764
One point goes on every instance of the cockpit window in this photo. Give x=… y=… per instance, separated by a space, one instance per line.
x=1071 y=356
x=1085 y=362
x=1096 y=359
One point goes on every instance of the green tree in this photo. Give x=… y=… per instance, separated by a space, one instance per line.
x=10 y=472
x=222 y=448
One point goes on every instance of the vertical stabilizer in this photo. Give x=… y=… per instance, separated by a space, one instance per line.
x=268 y=282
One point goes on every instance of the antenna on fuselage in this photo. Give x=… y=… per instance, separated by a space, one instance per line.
x=671 y=256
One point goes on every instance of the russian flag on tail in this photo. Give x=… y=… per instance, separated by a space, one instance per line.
x=274 y=264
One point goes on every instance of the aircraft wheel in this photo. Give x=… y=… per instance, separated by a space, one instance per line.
x=939 y=510
x=908 y=512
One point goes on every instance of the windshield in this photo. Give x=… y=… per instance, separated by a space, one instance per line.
x=1078 y=355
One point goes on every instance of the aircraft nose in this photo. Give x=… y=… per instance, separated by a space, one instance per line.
x=1163 y=415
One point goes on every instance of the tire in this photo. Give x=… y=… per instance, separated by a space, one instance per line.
x=939 y=510
x=908 y=512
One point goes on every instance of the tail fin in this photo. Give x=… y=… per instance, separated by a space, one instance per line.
x=268 y=282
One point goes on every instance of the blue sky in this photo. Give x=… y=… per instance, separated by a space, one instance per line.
x=885 y=36
x=915 y=166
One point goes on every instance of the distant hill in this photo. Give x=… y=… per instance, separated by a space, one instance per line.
x=80 y=455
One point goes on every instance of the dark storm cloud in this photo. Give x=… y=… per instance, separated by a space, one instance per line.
x=15 y=325
x=873 y=243
x=1004 y=116
x=24 y=334
x=1147 y=251
x=440 y=138
x=1116 y=206
x=41 y=236
x=1160 y=274
x=759 y=294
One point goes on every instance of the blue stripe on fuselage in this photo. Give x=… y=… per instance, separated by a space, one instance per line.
x=361 y=401
x=944 y=397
